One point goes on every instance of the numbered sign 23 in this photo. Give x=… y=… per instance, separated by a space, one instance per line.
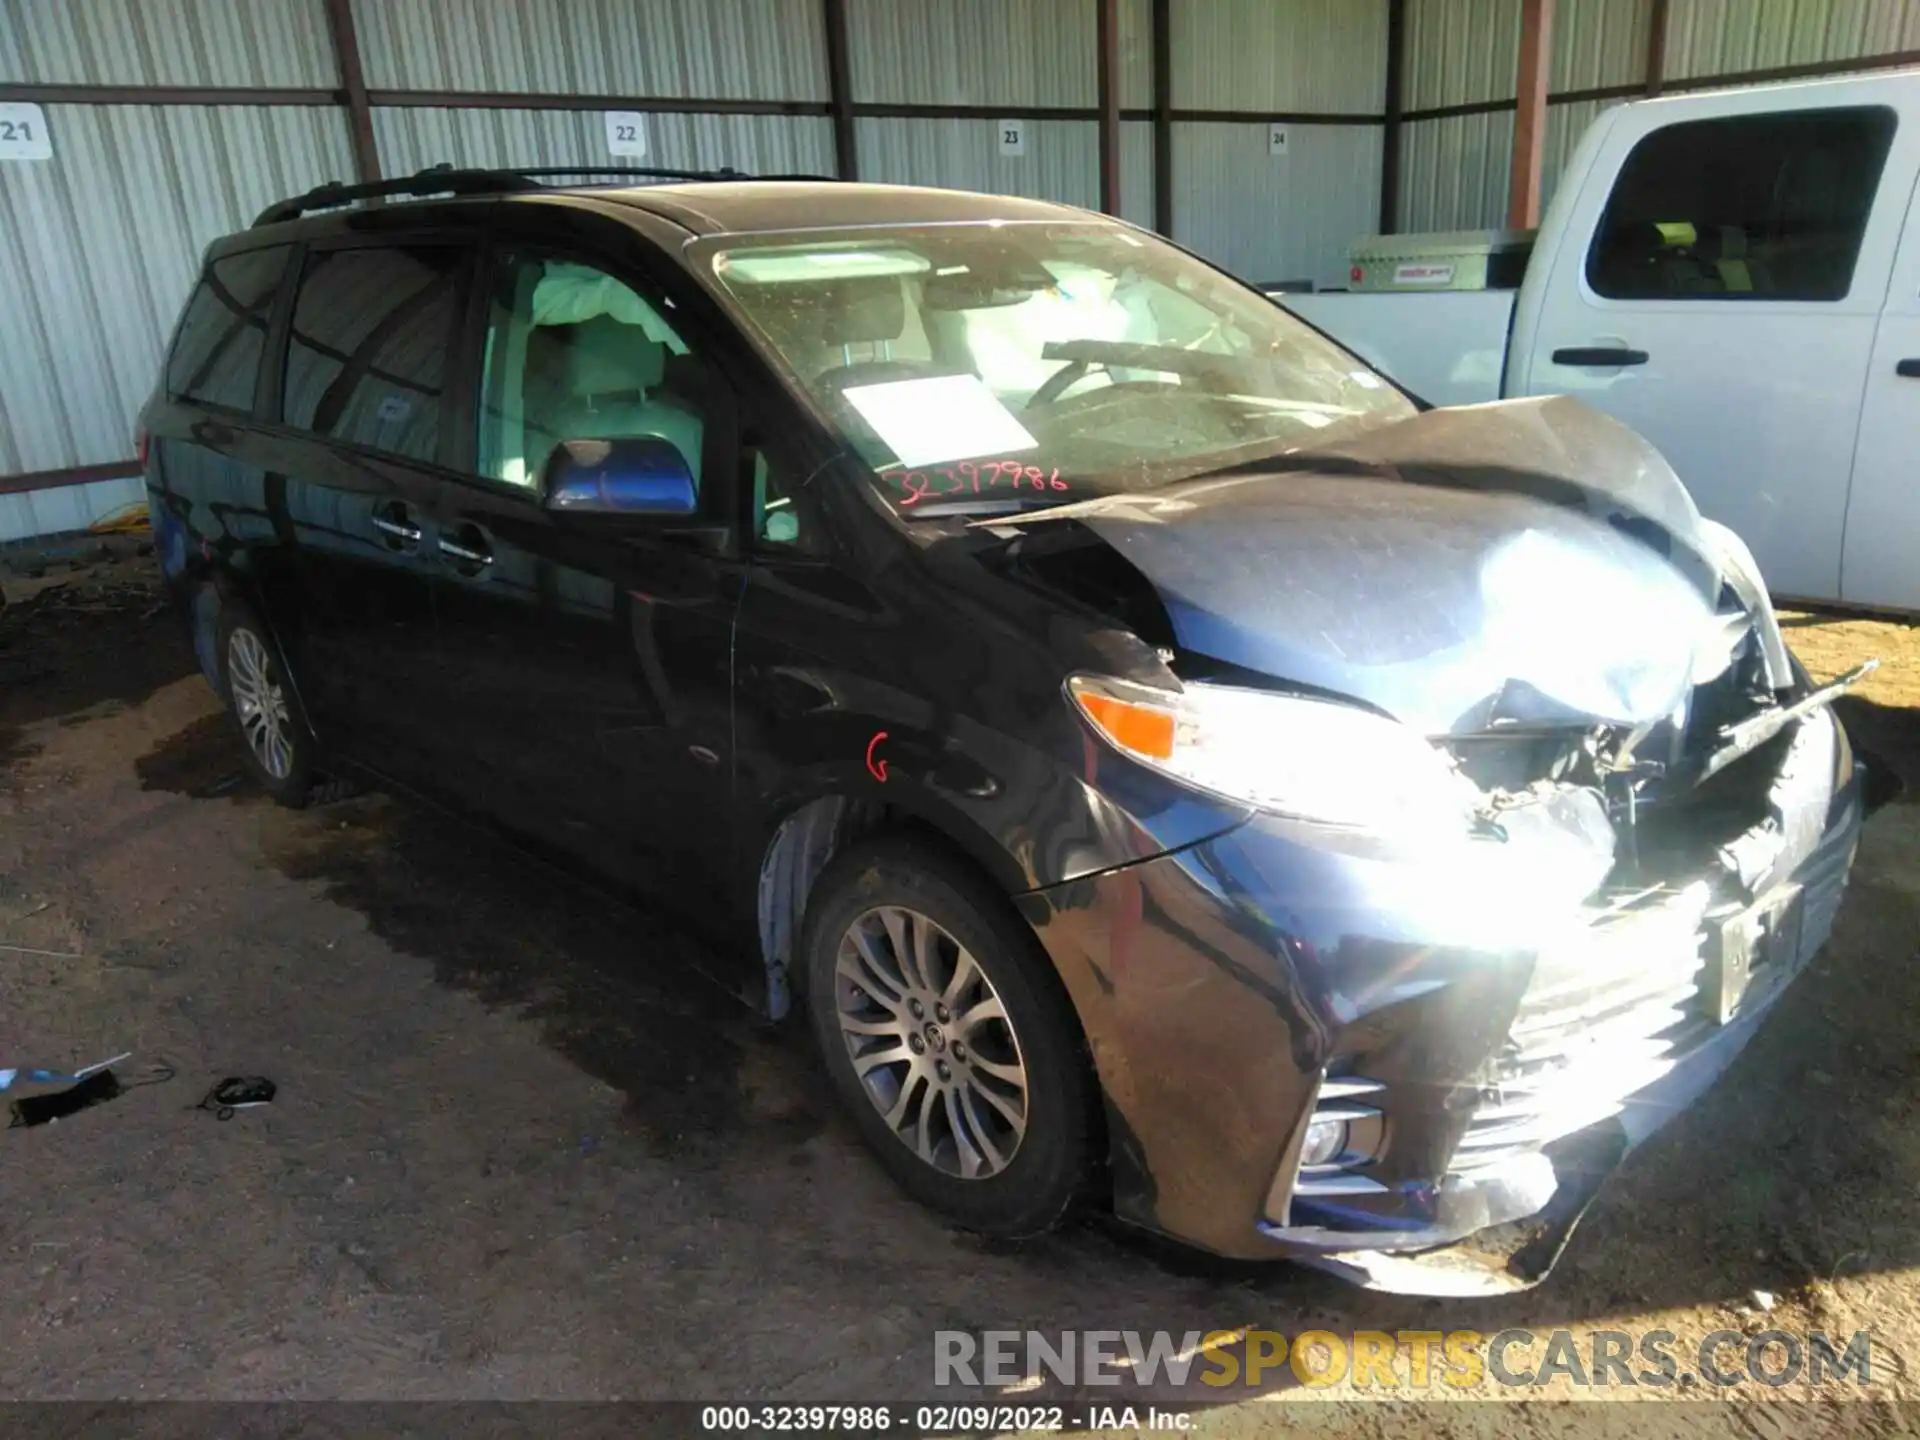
x=1013 y=137
x=23 y=132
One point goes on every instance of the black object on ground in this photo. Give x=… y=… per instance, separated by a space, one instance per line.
x=238 y=1092
x=98 y=1088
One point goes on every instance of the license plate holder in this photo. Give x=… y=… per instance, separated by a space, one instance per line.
x=1758 y=949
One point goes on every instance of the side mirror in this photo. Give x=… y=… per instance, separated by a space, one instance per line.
x=640 y=475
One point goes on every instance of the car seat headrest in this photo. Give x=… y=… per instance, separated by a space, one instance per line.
x=606 y=357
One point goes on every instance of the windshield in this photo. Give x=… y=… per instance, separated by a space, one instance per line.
x=985 y=367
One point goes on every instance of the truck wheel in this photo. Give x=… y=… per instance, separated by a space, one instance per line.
x=275 y=744
x=947 y=1036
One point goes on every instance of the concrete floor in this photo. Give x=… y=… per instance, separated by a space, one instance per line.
x=522 y=1150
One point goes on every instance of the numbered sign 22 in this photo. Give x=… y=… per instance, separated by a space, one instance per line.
x=1013 y=137
x=23 y=132
x=626 y=132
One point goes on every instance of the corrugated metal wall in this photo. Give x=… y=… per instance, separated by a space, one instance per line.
x=100 y=244
x=1265 y=217
x=1327 y=56
x=1454 y=170
x=99 y=247
x=1463 y=52
x=278 y=43
x=68 y=508
x=1460 y=52
x=1062 y=160
x=411 y=139
x=710 y=49
x=991 y=52
x=1269 y=220
x=1718 y=37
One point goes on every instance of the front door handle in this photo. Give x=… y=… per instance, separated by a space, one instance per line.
x=395 y=521
x=1598 y=355
x=1908 y=369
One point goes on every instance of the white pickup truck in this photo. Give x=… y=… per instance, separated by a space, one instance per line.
x=1736 y=275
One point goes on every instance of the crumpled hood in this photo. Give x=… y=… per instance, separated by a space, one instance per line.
x=1524 y=561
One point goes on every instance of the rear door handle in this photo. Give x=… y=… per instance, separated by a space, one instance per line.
x=470 y=553
x=395 y=521
x=1597 y=355
x=1908 y=369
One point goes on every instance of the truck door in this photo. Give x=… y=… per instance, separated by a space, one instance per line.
x=1880 y=565
x=1720 y=295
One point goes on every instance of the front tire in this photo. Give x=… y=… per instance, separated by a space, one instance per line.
x=275 y=744
x=948 y=1038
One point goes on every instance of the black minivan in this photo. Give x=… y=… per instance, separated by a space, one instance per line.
x=1169 y=765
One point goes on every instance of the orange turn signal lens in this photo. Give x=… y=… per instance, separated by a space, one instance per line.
x=1143 y=729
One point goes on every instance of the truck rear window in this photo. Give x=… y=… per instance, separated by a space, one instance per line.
x=216 y=355
x=1746 y=207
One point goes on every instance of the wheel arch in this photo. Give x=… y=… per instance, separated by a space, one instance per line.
x=812 y=831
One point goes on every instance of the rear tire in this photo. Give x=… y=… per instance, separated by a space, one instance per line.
x=275 y=745
x=948 y=1038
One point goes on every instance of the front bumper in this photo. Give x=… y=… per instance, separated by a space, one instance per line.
x=1514 y=1043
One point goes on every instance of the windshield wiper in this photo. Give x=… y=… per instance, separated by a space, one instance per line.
x=975 y=507
x=1134 y=355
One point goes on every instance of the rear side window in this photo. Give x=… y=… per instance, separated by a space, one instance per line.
x=366 y=357
x=216 y=356
x=1752 y=207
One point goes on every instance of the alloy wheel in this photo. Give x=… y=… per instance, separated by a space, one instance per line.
x=931 y=1042
x=261 y=704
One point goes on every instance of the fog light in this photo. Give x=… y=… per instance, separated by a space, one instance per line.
x=1325 y=1140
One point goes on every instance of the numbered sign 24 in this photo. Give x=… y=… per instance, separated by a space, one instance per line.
x=23 y=132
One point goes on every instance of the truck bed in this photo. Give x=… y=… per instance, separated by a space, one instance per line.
x=1447 y=347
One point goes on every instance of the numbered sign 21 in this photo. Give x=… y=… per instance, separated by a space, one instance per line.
x=23 y=132
x=626 y=132
x=1013 y=137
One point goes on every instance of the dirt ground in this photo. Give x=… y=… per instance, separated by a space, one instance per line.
x=522 y=1150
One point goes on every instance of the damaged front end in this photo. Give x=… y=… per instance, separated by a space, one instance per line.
x=1727 y=860
x=1423 y=1056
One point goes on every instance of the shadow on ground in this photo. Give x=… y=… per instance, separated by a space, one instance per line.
x=624 y=993
x=102 y=640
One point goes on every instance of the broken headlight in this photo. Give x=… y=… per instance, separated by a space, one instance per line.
x=1310 y=759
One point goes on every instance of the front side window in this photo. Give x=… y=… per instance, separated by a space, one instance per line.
x=573 y=353
x=367 y=356
x=1747 y=207
x=1005 y=366
x=216 y=358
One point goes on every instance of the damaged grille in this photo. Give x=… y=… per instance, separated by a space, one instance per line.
x=1639 y=985
x=1607 y=1014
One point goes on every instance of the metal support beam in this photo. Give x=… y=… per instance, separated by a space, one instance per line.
x=1390 y=135
x=846 y=148
x=1107 y=56
x=1530 y=114
x=353 y=87
x=1163 y=117
x=1656 y=47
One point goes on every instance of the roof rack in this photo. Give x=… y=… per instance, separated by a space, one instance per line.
x=443 y=179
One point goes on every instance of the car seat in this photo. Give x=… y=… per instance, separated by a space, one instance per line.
x=613 y=390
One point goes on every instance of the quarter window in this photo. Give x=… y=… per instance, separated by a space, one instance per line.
x=1752 y=207
x=367 y=355
x=217 y=355
x=572 y=353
